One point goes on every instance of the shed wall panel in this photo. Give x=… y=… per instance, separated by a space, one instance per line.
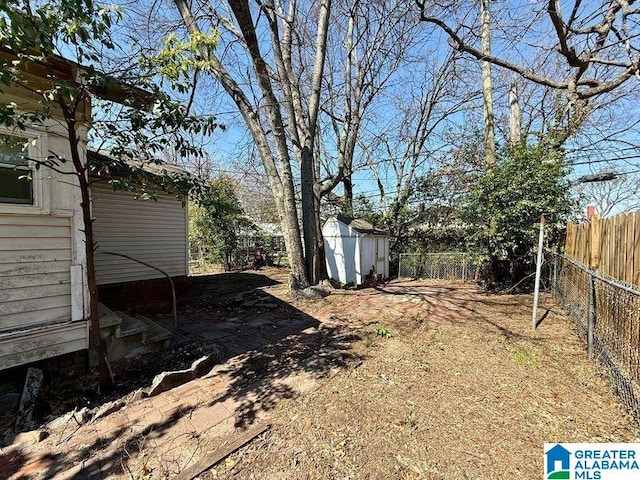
x=350 y=255
x=367 y=256
x=339 y=251
x=152 y=232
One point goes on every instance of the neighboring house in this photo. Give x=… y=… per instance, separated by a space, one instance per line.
x=267 y=233
x=44 y=301
x=355 y=250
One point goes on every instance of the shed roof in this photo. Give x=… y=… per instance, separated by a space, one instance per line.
x=361 y=226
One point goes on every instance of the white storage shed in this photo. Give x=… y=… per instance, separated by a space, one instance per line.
x=354 y=248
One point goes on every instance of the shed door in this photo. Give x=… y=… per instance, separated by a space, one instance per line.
x=380 y=256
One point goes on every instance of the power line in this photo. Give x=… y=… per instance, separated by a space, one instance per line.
x=602 y=160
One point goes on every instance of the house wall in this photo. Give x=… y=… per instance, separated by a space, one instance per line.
x=35 y=270
x=42 y=293
x=153 y=232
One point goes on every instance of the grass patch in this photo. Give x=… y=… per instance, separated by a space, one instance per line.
x=523 y=357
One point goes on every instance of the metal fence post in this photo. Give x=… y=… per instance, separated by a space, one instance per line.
x=554 y=285
x=591 y=317
x=536 y=292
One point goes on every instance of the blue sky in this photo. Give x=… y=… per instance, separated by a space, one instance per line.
x=232 y=145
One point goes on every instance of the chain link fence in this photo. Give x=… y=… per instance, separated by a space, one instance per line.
x=606 y=313
x=437 y=266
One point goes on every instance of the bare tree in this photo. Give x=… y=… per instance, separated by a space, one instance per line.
x=580 y=62
x=372 y=41
x=612 y=197
x=285 y=115
x=515 y=116
x=305 y=75
x=415 y=146
x=487 y=89
x=596 y=43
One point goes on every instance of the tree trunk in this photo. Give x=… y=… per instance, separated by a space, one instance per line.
x=487 y=88
x=96 y=341
x=320 y=263
x=281 y=182
x=347 y=205
x=515 y=116
x=307 y=181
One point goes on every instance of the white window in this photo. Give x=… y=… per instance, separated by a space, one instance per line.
x=16 y=176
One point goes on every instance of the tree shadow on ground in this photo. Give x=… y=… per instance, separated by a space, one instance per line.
x=456 y=305
x=277 y=350
x=209 y=303
x=88 y=461
x=282 y=369
x=272 y=349
x=221 y=289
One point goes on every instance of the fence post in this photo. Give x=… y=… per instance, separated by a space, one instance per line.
x=554 y=279
x=591 y=317
x=536 y=292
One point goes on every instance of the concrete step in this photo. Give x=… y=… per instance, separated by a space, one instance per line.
x=108 y=318
x=128 y=336
x=156 y=333
x=130 y=326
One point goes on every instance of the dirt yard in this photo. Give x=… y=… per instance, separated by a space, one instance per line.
x=462 y=389
x=412 y=379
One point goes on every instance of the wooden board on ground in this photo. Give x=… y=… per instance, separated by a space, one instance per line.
x=214 y=457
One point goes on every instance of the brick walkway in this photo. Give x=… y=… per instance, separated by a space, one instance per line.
x=168 y=432
x=157 y=432
x=272 y=360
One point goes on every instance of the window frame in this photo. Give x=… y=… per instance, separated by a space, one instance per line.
x=35 y=148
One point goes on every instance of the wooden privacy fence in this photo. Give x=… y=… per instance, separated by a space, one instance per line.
x=611 y=246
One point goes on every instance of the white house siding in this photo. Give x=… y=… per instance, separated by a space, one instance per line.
x=37 y=343
x=43 y=312
x=36 y=306
x=35 y=266
x=152 y=232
